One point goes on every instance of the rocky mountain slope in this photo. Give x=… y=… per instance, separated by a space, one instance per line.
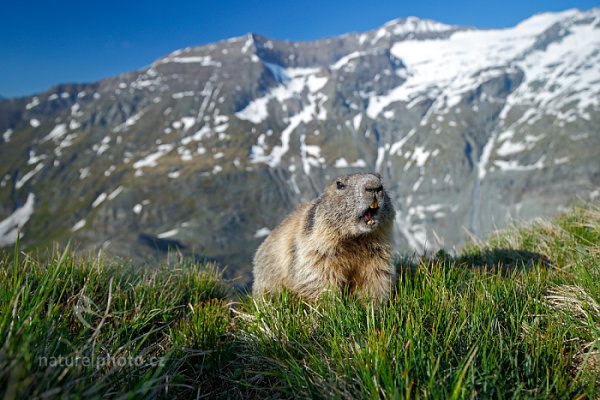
x=208 y=148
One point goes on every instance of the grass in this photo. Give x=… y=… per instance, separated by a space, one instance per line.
x=515 y=317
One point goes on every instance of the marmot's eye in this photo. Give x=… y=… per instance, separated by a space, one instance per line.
x=340 y=185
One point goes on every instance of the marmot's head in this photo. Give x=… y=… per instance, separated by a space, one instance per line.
x=357 y=204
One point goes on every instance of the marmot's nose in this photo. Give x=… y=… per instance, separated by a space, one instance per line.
x=372 y=184
x=374 y=189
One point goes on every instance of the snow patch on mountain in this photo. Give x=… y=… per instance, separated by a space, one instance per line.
x=513 y=165
x=131 y=121
x=151 y=159
x=14 y=223
x=310 y=155
x=416 y=25
x=342 y=163
x=203 y=61
x=7 y=135
x=446 y=69
x=293 y=82
x=21 y=182
x=168 y=234
x=78 y=225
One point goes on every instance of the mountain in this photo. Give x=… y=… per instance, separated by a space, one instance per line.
x=208 y=148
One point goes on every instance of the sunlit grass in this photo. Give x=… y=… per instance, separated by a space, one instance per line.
x=515 y=317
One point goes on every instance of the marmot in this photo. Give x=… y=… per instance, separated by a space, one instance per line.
x=340 y=241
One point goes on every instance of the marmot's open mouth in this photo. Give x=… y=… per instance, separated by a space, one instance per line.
x=370 y=213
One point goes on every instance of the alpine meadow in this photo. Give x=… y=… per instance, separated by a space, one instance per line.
x=517 y=316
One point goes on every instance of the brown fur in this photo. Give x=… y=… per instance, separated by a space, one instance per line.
x=326 y=244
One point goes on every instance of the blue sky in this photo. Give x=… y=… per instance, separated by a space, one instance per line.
x=49 y=42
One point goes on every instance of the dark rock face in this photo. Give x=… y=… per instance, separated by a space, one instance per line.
x=210 y=147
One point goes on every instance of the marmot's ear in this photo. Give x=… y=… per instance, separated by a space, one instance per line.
x=342 y=178
x=377 y=174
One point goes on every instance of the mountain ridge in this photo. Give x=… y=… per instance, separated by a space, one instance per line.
x=333 y=36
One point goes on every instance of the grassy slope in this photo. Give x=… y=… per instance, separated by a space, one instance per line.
x=518 y=316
